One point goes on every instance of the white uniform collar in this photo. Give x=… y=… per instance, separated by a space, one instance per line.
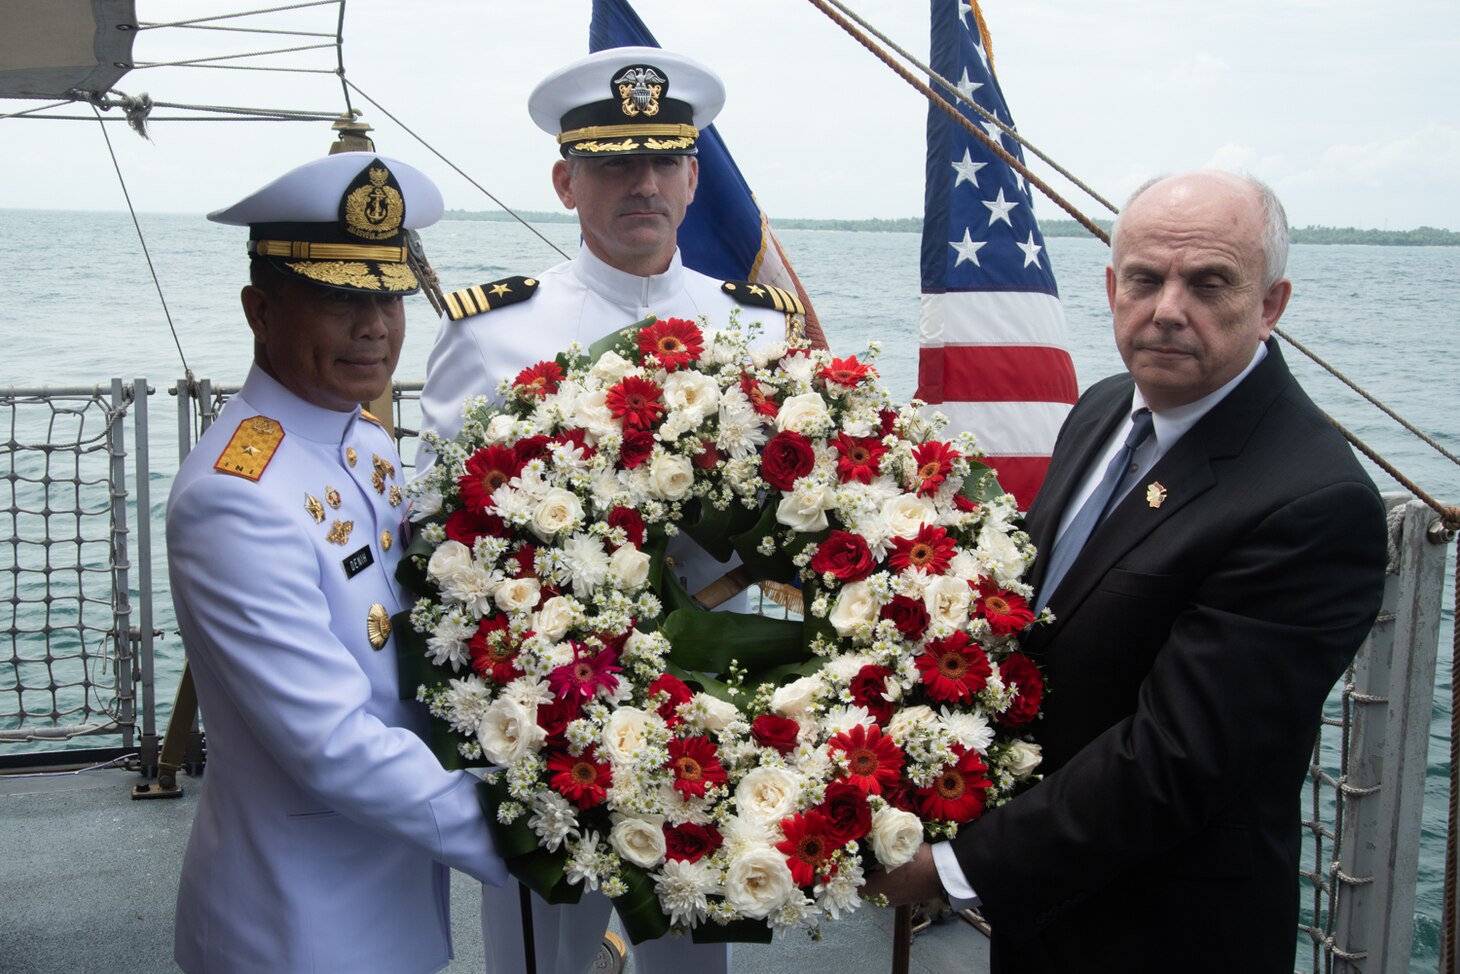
x=264 y=393
x=628 y=290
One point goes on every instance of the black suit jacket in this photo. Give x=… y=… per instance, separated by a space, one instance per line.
x=1194 y=645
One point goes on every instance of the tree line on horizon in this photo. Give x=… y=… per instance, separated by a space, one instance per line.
x=1418 y=237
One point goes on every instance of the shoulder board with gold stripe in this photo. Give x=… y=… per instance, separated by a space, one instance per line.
x=487 y=297
x=251 y=448
x=764 y=296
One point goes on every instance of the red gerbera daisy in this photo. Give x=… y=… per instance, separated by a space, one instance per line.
x=859 y=458
x=585 y=675
x=846 y=372
x=696 y=766
x=1005 y=611
x=494 y=651
x=755 y=392
x=931 y=550
x=486 y=470
x=957 y=793
x=675 y=342
x=874 y=762
x=578 y=439
x=1019 y=672
x=953 y=668
x=807 y=847
x=636 y=401
x=935 y=463
x=467 y=525
x=539 y=380
x=582 y=779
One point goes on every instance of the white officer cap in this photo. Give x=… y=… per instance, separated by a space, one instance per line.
x=628 y=101
x=344 y=220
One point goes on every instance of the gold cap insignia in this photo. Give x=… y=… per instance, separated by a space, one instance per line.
x=314 y=507
x=251 y=448
x=377 y=626
x=1155 y=494
x=340 y=532
x=373 y=208
x=639 y=88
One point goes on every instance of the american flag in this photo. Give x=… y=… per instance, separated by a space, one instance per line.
x=993 y=355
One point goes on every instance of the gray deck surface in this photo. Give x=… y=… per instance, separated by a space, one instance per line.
x=89 y=877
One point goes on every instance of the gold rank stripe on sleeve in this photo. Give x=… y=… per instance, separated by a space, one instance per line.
x=764 y=296
x=482 y=298
x=251 y=448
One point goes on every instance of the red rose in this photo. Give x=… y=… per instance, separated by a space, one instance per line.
x=554 y=719
x=844 y=555
x=532 y=447
x=707 y=457
x=787 y=458
x=526 y=561
x=848 y=817
x=678 y=693
x=867 y=689
x=638 y=446
x=1019 y=670
x=631 y=521
x=777 y=733
x=909 y=615
x=887 y=421
x=690 y=842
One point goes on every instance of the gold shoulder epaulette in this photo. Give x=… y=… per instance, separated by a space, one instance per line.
x=251 y=448
x=764 y=296
x=487 y=297
x=370 y=417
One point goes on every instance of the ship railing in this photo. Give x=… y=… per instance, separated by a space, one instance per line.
x=78 y=663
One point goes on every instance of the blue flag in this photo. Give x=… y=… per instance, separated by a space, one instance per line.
x=993 y=355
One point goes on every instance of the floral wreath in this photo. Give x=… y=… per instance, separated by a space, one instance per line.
x=722 y=774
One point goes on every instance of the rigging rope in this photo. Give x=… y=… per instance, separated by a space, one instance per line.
x=243 y=13
x=409 y=131
x=143 y=240
x=204 y=62
x=1447 y=913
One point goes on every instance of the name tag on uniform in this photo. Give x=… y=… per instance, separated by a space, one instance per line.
x=358 y=561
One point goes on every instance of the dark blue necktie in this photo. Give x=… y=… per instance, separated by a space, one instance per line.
x=1067 y=549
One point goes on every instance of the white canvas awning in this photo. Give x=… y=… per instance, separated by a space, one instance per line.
x=64 y=49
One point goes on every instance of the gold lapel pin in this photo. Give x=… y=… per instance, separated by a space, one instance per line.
x=1155 y=494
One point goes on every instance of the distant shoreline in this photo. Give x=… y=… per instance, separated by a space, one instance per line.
x=1420 y=237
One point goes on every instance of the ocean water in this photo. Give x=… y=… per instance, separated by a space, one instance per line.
x=78 y=307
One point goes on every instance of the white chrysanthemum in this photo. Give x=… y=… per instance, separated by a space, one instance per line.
x=838 y=720
x=909 y=720
x=587 y=563
x=466 y=702
x=798 y=912
x=798 y=367
x=969 y=728
x=529 y=692
x=744 y=833
x=553 y=819
x=585 y=861
x=840 y=669
x=684 y=889
x=446 y=646
x=742 y=433
x=838 y=893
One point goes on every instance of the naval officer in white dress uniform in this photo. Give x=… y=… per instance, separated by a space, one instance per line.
x=322 y=838
x=626 y=121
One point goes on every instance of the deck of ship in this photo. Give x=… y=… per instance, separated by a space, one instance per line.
x=90 y=877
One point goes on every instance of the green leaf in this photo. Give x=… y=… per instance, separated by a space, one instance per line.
x=709 y=642
x=775 y=567
x=981 y=486
x=539 y=870
x=638 y=908
x=714 y=529
x=619 y=342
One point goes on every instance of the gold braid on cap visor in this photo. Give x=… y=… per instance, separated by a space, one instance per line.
x=594 y=132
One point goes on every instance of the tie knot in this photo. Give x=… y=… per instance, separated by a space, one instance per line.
x=1141 y=426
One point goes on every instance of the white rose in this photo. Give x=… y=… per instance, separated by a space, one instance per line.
x=896 y=836
x=804 y=508
x=948 y=599
x=711 y=713
x=639 y=840
x=554 y=619
x=1023 y=757
x=508 y=731
x=758 y=883
x=768 y=794
x=854 y=606
x=611 y=368
x=499 y=429
x=767 y=355
x=793 y=699
x=591 y=413
x=624 y=733
x=909 y=719
x=517 y=594
x=1002 y=554
x=449 y=562
x=906 y=513
x=805 y=413
x=631 y=565
x=694 y=394
x=671 y=476
x=559 y=510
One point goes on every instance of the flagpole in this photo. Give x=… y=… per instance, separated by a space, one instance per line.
x=529 y=935
x=902 y=924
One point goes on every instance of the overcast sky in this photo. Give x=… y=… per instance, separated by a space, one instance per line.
x=1346 y=106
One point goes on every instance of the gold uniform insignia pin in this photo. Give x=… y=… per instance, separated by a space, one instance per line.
x=314 y=507
x=251 y=448
x=386 y=540
x=339 y=532
x=377 y=626
x=332 y=497
x=350 y=455
x=1155 y=494
x=395 y=496
x=377 y=481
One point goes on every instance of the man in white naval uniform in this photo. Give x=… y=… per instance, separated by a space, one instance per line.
x=626 y=120
x=324 y=831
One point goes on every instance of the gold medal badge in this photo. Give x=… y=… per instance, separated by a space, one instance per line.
x=377 y=626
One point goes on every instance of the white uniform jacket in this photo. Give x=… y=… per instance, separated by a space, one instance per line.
x=321 y=832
